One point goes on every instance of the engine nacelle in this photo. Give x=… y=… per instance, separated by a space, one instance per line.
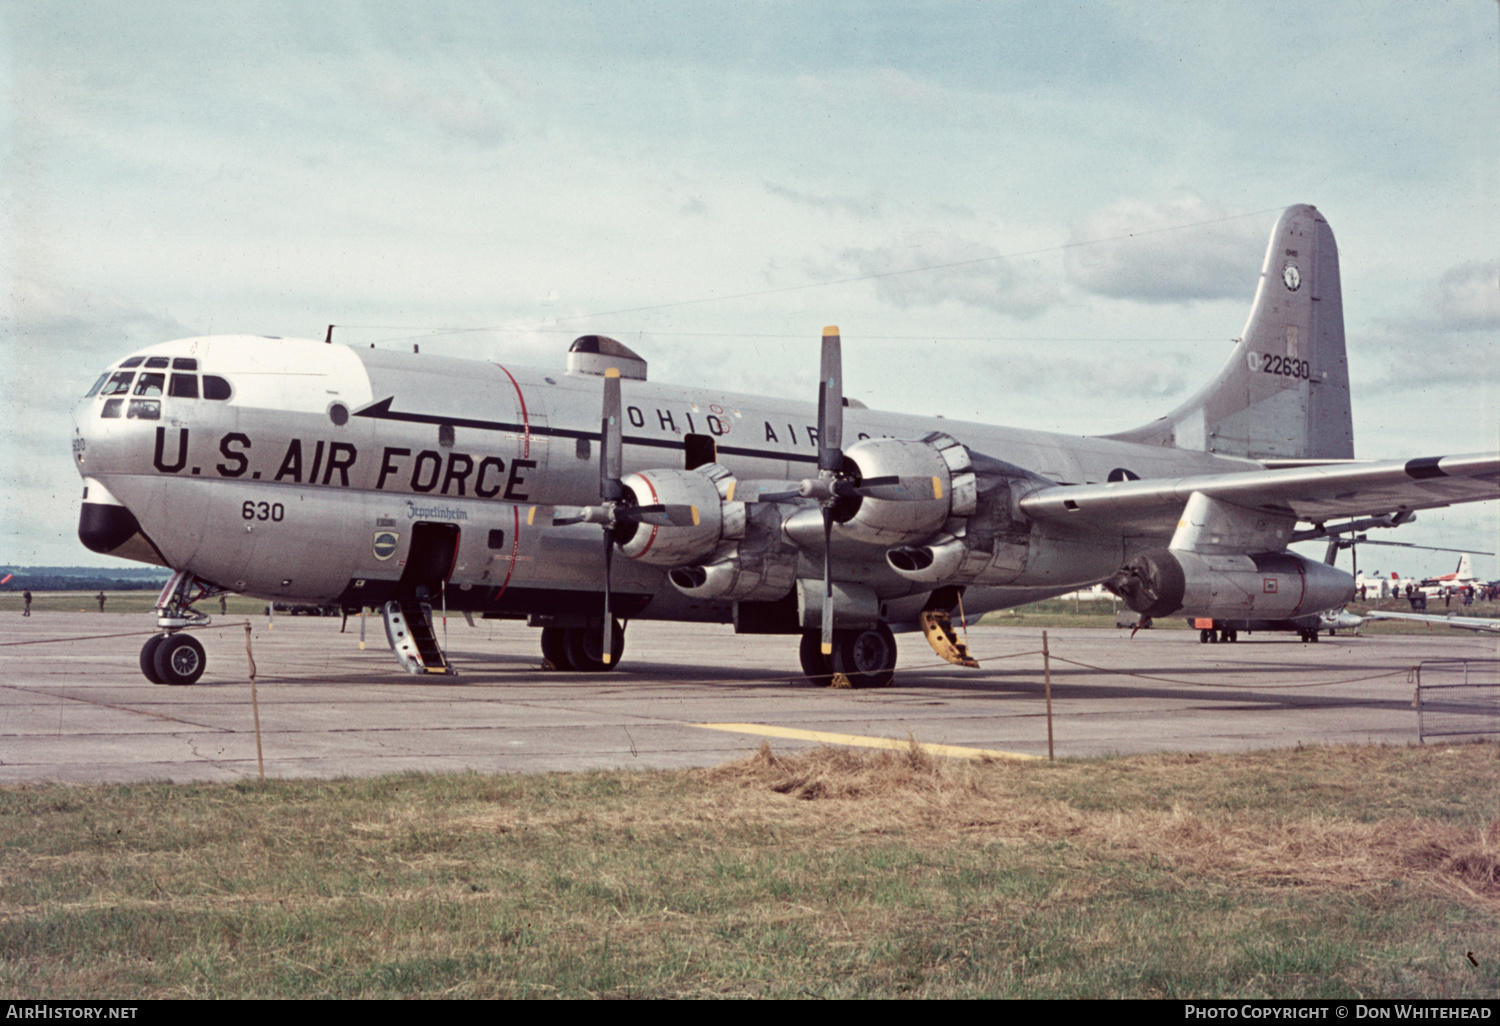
x=1269 y=585
x=761 y=567
x=990 y=545
x=709 y=488
x=939 y=458
x=956 y=560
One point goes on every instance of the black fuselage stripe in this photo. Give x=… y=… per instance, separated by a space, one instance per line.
x=516 y=429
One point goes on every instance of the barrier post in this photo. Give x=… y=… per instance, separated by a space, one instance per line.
x=1047 y=675
x=260 y=761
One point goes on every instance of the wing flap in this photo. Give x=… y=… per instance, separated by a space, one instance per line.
x=1312 y=493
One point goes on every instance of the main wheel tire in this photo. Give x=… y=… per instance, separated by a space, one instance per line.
x=180 y=660
x=867 y=657
x=555 y=647
x=1203 y=637
x=814 y=663
x=585 y=648
x=148 y=658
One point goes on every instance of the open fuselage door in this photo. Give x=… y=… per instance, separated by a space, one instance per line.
x=408 y=615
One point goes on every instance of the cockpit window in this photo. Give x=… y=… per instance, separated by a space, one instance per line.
x=150 y=384
x=156 y=362
x=119 y=383
x=111 y=407
x=183 y=386
x=134 y=361
x=215 y=387
x=144 y=409
x=93 y=391
x=185 y=363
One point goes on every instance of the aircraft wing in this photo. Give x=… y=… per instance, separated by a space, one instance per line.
x=1311 y=493
x=1467 y=623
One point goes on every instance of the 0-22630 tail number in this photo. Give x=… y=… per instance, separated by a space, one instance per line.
x=1270 y=363
x=262 y=511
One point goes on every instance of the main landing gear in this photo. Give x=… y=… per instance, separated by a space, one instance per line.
x=174 y=657
x=582 y=648
x=864 y=657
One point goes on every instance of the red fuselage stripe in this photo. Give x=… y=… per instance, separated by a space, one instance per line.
x=515 y=547
x=525 y=420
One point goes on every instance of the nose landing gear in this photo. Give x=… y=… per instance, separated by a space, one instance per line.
x=173 y=657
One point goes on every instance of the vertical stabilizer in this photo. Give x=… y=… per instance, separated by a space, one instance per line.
x=1284 y=394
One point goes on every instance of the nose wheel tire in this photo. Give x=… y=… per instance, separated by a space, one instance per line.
x=179 y=659
x=867 y=657
x=148 y=658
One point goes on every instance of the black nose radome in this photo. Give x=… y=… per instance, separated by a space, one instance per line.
x=105 y=528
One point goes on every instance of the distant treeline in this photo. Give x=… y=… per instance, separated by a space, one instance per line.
x=83 y=578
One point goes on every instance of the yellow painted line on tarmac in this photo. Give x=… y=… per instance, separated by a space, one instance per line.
x=946 y=751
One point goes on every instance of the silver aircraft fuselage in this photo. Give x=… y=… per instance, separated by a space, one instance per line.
x=303 y=478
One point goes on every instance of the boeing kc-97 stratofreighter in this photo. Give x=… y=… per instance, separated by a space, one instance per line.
x=580 y=499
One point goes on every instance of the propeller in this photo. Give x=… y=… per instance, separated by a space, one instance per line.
x=834 y=483
x=830 y=460
x=618 y=505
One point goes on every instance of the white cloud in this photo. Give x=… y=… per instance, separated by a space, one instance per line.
x=1147 y=255
x=932 y=268
x=1466 y=298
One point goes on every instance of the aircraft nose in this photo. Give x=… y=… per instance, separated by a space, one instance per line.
x=103 y=528
x=106 y=526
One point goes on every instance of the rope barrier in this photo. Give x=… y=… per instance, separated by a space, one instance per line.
x=128 y=634
x=782 y=677
x=1238 y=687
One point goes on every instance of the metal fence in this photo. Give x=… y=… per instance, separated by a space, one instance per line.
x=1458 y=697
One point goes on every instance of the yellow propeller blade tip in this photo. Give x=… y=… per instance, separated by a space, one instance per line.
x=531 y=516
x=828 y=650
x=832 y=329
x=613 y=372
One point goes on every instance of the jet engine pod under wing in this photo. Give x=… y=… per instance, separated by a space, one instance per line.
x=1269 y=585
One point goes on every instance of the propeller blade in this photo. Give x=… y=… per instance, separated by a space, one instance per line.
x=901 y=489
x=610 y=434
x=659 y=515
x=779 y=496
x=563 y=516
x=607 y=651
x=828 y=580
x=831 y=404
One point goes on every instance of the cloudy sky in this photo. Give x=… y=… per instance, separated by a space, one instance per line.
x=1094 y=183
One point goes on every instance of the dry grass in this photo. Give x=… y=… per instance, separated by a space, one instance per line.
x=1305 y=873
x=953 y=800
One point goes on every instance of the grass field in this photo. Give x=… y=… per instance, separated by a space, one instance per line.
x=1324 y=872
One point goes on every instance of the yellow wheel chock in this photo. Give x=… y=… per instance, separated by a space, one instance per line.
x=938 y=628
